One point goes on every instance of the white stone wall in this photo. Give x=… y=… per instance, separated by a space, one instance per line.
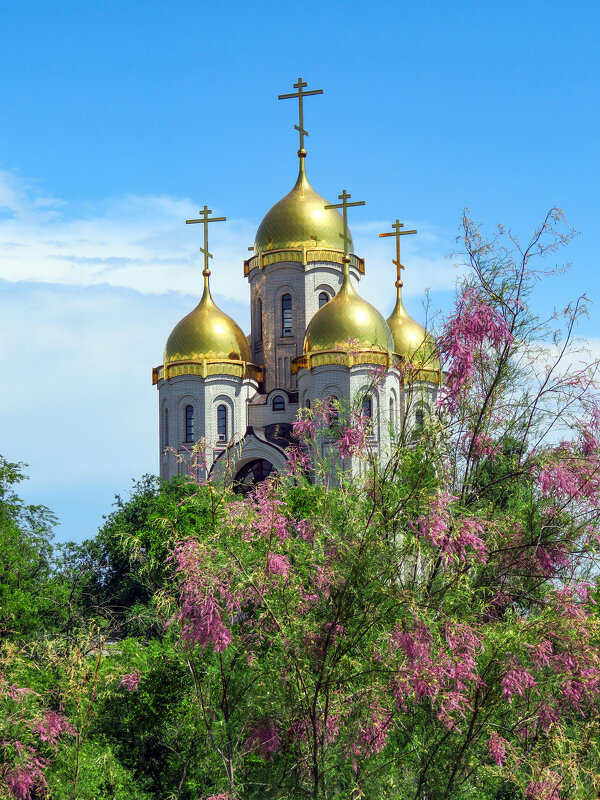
x=205 y=395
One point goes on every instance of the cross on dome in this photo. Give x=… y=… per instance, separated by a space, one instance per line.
x=397 y=233
x=300 y=95
x=205 y=219
x=345 y=205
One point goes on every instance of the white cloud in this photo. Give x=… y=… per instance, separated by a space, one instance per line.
x=142 y=243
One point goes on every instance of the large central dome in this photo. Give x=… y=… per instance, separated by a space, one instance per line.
x=300 y=220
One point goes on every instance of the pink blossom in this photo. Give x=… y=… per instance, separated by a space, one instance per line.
x=298 y=460
x=278 y=565
x=546 y=789
x=353 y=441
x=131 y=681
x=547 y=716
x=264 y=739
x=496 y=747
x=473 y=329
x=516 y=680
x=305 y=530
x=52 y=726
x=453 y=537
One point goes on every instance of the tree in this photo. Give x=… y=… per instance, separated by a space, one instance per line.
x=424 y=632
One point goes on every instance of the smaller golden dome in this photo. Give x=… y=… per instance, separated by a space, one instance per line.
x=300 y=219
x=347 y=317
x=206 y=333
x=411 y=340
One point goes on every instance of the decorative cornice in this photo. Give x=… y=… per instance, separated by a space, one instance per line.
x=301 y=255
x=204 y=368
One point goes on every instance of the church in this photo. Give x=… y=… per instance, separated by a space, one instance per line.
x=234 y=397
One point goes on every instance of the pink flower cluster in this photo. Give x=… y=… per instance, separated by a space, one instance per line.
x=517 y=681
x=454 y=538
x=131 y=681
x=496 y=747
x=469 y=333
x=353 y=440
x=260 y=514
x=204 y=599
x=264 y=739
x=445 y=675
x=52 y=726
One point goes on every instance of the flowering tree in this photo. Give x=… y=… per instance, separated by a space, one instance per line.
x=427 y=629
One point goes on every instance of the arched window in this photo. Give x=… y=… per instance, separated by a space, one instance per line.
x=278 y=403
x=392 y=420
x=307 y=404
x=367 y=407
x=259 y=322
x=286 y=315
x=189 y=423
x=419 y=417
x=166 y=428
x=222 y=423
x=323 y=298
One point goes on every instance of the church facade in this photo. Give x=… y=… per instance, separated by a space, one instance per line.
x=234 y=397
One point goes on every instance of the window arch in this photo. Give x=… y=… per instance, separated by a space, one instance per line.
x=323 y=298
x=286 y=315
x=222 y=423
x=189 y=423
x=367 y=406
x=278 y=403
x=259 y=320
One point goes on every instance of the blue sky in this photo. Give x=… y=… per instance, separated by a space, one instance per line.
x=120 y=119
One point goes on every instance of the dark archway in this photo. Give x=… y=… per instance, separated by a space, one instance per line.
x=252 y=473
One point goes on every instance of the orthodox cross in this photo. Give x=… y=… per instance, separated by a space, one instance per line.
x=397 y=233
x=345 y=205
x=300 y=94
x=205 y=219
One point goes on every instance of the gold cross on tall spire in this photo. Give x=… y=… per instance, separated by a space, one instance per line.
x=300 y=94
x=205 y=219
x=345 y=205
x=397 y=233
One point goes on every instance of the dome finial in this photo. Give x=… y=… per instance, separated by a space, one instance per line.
x=205 y=219
x=300 y=94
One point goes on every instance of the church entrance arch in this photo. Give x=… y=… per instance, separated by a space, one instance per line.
x=252 y=473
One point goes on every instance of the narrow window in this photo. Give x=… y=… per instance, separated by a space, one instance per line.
x=323 y=298
x=367 y=407
x=307 y=405
x=278 y=403
x=189 y=423
x=259 y=322
x=419 y=418
x=286 y=315
x=392 y=421
x=222 y=423
x=166 y=429
x=333 y=414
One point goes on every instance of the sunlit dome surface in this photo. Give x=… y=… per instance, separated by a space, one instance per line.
x=300 y=220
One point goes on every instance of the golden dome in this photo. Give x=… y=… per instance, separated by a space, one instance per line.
x=300 y=220
x=411 y=340
x=206 y=333
x=347 y=317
